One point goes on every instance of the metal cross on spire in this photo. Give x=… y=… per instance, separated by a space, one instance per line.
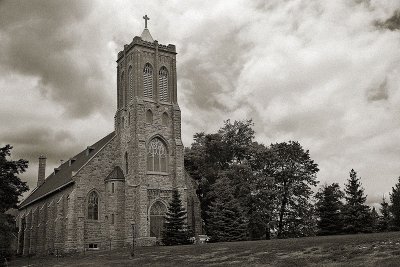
x=146 y=18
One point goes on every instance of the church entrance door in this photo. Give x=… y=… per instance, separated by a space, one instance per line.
x=157 y=213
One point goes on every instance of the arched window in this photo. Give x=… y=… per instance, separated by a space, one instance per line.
x=156 y=156
x=120 y=91
x=157 y=214
x=163 y=84
x=149 y=116
x=130 y=81
x=164 y=119
x=148 y=81
x=126 y=163
x=93 y=206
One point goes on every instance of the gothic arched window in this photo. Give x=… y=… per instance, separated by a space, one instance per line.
x=164 y=119
x=93 y=206
x=123 y=91
x=163 y=84
x=148 y=81
x=157 y=156
x=130 y=81
x=149 y=116
x=120 y=91
x=126 y=163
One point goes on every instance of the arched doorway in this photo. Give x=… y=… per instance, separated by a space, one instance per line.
x=157 y=213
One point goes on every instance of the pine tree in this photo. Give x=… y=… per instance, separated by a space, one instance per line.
x=329 y=207
x=226 y=218
x=395 y=205
x=175 y=226
x=356 y=214
x=374 y=220
x=385 y=218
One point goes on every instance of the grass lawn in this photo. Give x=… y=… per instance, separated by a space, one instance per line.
x=382 y=249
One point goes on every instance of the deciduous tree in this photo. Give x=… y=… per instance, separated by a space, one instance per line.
x=294 y=174
x=11 y=188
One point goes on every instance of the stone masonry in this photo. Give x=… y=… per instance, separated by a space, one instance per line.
x=129 y=171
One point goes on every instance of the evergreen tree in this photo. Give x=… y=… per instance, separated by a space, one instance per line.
x=329 y=206
x=175 y=226
x=226 y=217
x=385 y=218
x=356 y=214
x=395 y=205
x=374 y=220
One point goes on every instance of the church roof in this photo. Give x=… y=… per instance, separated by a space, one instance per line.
x=146 y=36
x=63 y=176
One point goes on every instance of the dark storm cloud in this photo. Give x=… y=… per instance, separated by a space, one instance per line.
x=34 y=141
x=378 y=93
x=43 y=39
x=392 y=23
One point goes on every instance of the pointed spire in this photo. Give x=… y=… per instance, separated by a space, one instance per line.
x=146 y=36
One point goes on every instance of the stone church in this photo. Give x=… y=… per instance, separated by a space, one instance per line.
x=118 y=189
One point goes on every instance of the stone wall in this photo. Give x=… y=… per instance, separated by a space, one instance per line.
x=45 y=220
x=92 y=177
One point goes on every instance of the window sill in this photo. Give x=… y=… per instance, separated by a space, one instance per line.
x=158 y=173
x=92 y=221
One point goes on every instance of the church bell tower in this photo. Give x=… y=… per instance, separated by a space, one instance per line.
x=148 y=128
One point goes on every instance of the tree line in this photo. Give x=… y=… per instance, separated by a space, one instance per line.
x=247 y=191
x=250 y=191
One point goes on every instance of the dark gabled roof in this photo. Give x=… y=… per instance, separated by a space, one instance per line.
x=63 y=177
x=116 y=174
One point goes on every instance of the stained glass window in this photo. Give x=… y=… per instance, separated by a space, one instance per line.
x=93 y=206
x=156 y=156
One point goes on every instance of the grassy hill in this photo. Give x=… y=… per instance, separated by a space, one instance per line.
x=381 y=249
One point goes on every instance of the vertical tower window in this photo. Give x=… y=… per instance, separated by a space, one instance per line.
x=157 y=156
x=164 y=119
x=148 y=81
x=149 y=116
x=112 y=218
x=163 y=84
x=130 y=81
x=123 y=91
x=120 y=90
x=112 y=188
x=126 y=163
x=93 y=206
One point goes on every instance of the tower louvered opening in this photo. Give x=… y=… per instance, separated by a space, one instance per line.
x=148 y=81
x=163 y=84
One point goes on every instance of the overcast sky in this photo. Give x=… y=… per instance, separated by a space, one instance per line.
x=324 y=73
